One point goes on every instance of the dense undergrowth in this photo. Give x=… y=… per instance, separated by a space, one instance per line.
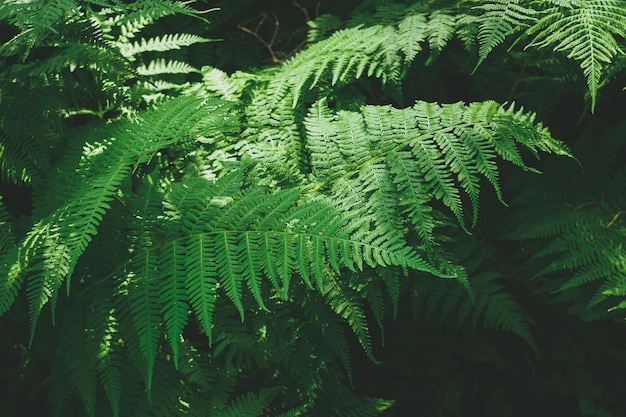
x=316 y=208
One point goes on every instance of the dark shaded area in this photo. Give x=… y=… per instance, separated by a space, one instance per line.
x=17 y=198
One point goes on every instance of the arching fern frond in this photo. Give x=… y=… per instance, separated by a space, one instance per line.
x=391 y=161
x=498 y=19
x=587 y=31
x=346 y=55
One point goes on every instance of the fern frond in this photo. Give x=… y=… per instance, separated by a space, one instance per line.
x=143 y=13
x=216 y=80
x=104 y=335
x=427 y=151
x=497 y=20
x=173 y=295
x=77 y=357
x=412 y=31
x=348 y=54
x=201 y=280
x=579 y=234
x=161 y=44
x=230 y=241
x=163 y=66
x=441 y=28
x=143 y=299
x=343 y=303
x=587 y=31
x=491 y=307
x=35 y=23
x=52 y=248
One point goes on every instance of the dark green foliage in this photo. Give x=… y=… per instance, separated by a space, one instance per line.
x=292 y=220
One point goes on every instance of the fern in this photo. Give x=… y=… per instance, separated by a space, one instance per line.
x=345 y=56
x=587 y=31
x=166 y=43
x=582 y=238
x=162 y=67
x=237 y=238
x=429 y=151
x=498 y=20
x=73 y=224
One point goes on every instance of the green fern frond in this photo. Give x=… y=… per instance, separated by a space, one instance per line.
x=497 y=20
x=216 y=80
x=587 y=31
x=144 y=301
x=35 y=22
x=579 y=230
x=343 y=303
x=162 y=66
x=80 y=55
x=581 y=242
x=104 y=335
x=232 y=241
x=143 y=13
x=348 y=54
x=77 y=357
x=412 y=31
x=161 y=44
x=426 y=151
x=173 y=295
x=441 y=28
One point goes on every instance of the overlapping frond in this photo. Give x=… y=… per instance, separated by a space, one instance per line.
x=491 y=307
x=51 y=249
